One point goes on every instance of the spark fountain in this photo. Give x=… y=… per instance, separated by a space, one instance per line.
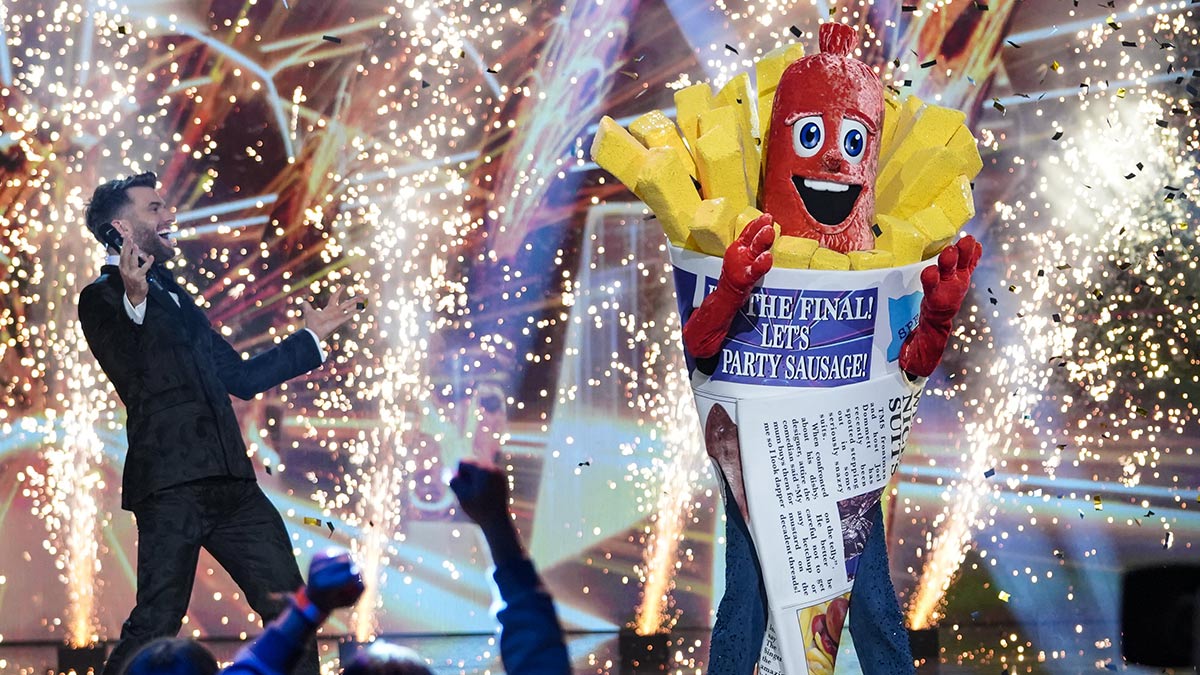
x=1110 y=239
x=678 y=468
x=48 y=133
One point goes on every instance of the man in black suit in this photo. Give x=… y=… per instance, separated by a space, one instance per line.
x=188 y=479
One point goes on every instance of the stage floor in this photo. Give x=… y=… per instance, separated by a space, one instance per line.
x=591 y=653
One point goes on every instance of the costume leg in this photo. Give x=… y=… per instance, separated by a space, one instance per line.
x=252 y=544
x=169 y=533
x=742 y=615
x=876 y=623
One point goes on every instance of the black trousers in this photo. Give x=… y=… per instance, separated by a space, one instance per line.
x=235 y=522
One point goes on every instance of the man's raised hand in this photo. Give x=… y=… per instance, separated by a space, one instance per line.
x=133 y=272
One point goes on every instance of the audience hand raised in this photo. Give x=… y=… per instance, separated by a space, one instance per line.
x=334 y=580
x=482 y=492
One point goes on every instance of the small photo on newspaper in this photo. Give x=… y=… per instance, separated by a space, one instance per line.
x=821 y=625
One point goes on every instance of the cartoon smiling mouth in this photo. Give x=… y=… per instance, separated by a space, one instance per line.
x=827 y=202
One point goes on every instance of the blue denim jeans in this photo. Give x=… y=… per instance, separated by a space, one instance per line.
x=876 y=623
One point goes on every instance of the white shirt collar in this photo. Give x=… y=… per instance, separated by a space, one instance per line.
x=114 y=259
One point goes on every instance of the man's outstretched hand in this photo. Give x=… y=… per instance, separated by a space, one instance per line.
x=324 y=321
x=946 y=285
x=333 y=580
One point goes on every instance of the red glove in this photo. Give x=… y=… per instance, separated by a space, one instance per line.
x=747 y=259
x=946 y=285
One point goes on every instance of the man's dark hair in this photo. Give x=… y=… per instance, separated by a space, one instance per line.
x=172 y=656
x=110 y=198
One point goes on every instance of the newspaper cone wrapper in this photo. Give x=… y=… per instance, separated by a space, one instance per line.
x=810 y=378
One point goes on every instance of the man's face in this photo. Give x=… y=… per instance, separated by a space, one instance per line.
x=822 y=152
x=147 y=222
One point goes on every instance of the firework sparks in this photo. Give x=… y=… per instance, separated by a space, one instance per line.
x=1094 y=241
x=675 y=472
x=48 y=132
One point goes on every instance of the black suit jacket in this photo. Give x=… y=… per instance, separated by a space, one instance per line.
x=175 y=375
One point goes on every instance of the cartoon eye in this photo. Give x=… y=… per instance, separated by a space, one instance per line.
x=808 y=134
x=854 y=140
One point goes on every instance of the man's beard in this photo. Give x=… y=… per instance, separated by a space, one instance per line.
x=153 y=245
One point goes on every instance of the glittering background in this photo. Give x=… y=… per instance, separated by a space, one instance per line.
x=432 y=156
